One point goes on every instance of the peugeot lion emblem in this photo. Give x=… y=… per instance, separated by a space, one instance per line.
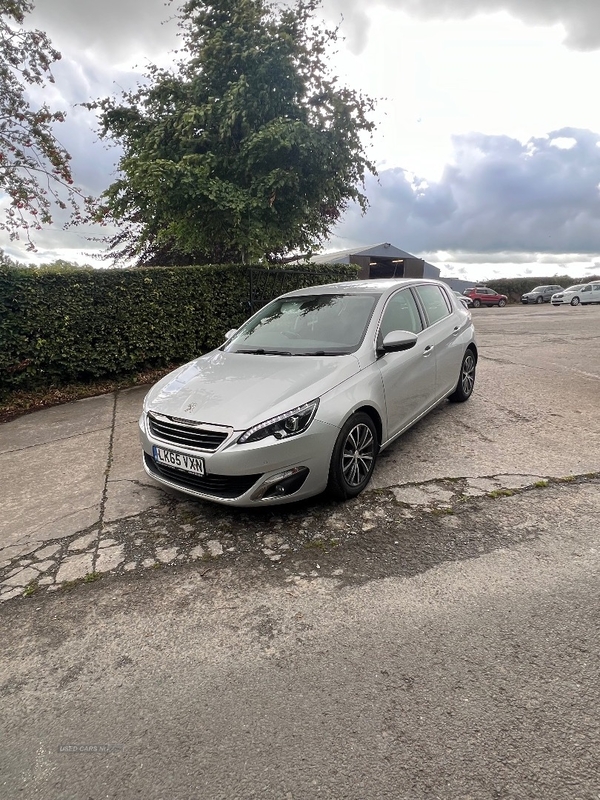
x=190 y=408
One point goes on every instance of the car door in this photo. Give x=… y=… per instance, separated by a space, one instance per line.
x=596 y=292
x=445 y=327
x=585 y=295
x=408 y=377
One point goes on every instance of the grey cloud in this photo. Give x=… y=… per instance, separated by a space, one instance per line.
x=117 y=29
x=114 y=29
x=499 y=196
x=581 y=18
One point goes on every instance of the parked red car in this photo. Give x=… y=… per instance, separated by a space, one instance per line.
x=482 y=296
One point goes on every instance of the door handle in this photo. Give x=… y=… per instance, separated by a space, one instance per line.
x=428 y=351
x=456 y=331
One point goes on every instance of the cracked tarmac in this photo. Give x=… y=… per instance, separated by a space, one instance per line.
x=80 y=506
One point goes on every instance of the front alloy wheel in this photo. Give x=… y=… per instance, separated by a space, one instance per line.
x=466 y=381
x=476 y=302
x=539 y=300
x=575 y=301
x=353 y=458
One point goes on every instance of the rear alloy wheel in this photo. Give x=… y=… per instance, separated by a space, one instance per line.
x=501 y=303
x=575 y=301
x=476 y=303
x=353 y=458
x=466 y=381
x=539 y=300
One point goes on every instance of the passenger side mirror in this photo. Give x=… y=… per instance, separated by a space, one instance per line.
x=397 y=341
x=230 y=333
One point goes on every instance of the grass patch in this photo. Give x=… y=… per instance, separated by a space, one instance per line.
x=31 y=588
x=541 y=484
x=14 y=404
x=92 y=576
x=315 y=544
x=441 y=512
x=501 y=493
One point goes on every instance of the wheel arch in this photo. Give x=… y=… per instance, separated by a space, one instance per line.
x=374 y=414
x=473 y=348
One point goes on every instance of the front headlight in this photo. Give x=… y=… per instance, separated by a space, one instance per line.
x=283 y=426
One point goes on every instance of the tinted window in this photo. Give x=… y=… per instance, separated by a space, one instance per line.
x=433 y=300
x=596 y=288
x=401 y=314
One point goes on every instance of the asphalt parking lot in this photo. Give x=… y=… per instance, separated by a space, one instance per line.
x=436 y=637
x=78 y=502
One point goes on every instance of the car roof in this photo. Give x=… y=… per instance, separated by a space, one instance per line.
x=380 y=287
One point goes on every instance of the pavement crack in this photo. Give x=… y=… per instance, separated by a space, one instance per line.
x=109 y=462
x=59 y=439
x=45 y=525
x=473 y=431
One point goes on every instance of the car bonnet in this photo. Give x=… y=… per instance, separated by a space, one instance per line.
x=240 y=390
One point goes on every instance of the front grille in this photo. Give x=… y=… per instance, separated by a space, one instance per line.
x=226 y=486
x=194 y=437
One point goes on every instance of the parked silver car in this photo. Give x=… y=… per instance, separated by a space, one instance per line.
x=308 y=391
x=466 y=301
x=568 y=296
x=541 y=294
x=581 y=293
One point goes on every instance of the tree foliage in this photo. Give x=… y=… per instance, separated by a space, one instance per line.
x=34 y=167
x=246 y=149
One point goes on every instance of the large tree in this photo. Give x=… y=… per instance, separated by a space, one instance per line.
x=34 y=167
x=246 y=149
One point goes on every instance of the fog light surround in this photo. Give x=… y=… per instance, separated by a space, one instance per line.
x=282 y=484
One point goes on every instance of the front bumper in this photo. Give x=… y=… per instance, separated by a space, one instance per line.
x=238 y=475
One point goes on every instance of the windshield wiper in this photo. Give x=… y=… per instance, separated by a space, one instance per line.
x=324 y=353
x=259 y=351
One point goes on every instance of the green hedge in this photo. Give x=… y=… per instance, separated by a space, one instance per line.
x=76 y=326
x=513 y=288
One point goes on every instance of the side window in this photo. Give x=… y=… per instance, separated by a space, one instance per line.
x=596 y=287
x=401 y=314
x=433 y=300
x=587 y=289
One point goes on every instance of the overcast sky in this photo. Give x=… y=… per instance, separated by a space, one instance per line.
x=488 y=147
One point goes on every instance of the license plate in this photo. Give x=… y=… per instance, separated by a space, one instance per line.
x=171 y=458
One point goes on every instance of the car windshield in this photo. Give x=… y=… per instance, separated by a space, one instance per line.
x=539 y=289
x=308 y=325
x=575 y=288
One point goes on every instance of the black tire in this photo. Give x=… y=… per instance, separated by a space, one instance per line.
x=575 y=301
x=501 y=303
x=476 y=302
x=466 y=380
x=539 y=300
x=353 y=458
